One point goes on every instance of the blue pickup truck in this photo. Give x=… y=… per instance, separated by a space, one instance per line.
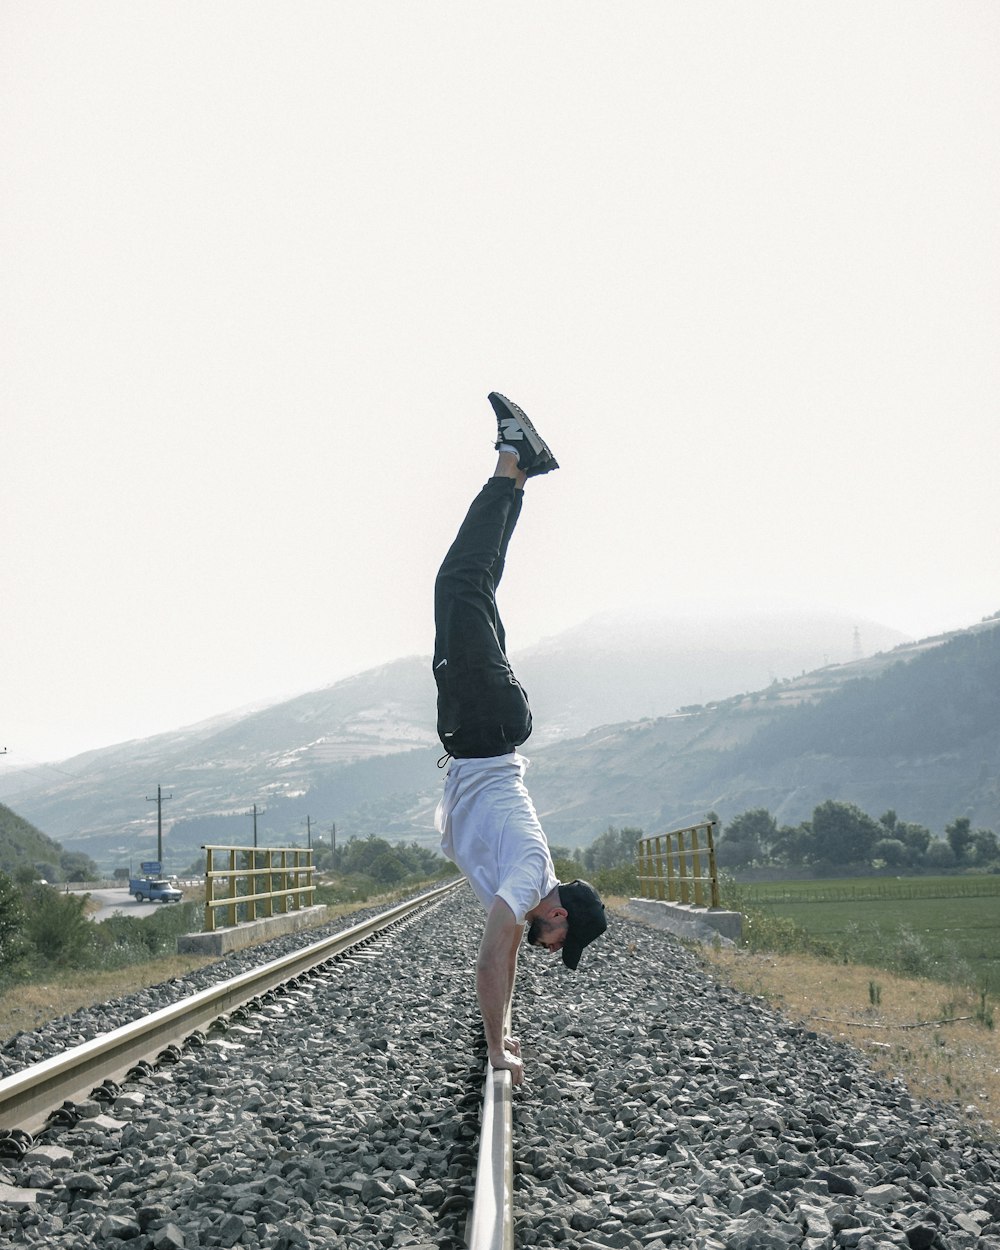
x=146 y=889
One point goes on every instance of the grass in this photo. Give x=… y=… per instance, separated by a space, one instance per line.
x=947 y=939
x=945 y=928
x=28 y=1006
x=863 y=889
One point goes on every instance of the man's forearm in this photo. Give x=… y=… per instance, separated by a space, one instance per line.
x=511 y=977
x=495 y=982
x=493 y=991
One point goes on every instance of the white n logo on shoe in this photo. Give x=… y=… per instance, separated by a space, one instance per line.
x=510 y=430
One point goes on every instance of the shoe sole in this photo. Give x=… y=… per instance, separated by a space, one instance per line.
x=515 y=424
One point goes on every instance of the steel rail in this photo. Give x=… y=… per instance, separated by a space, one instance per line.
x=28 y=1096
x=491 y=1224
x=491 y=1221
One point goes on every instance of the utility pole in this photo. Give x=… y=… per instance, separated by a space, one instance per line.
x=309 y=836
x=333 y=841
x=255 y=825
x=159 y=801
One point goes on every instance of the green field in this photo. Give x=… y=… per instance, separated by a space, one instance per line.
x=947 y=928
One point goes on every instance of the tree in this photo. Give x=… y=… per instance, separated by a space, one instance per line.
x=915 y=838
x=385 y=862
x=748 y=837
x=940 y=855
x=611 y=849
x=960 y=836
x=387 y=869
x=792 y=844
x=985 y=847
x=78 y=867
x=11 y=923
x=843 y=833
x=358 y=854
x=891 y=851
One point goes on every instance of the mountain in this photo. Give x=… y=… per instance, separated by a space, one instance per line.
x=212 y=774
x=623 y=668
x=916 y=730
x=361 y=752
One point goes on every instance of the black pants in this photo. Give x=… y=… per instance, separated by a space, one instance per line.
x=482 y=708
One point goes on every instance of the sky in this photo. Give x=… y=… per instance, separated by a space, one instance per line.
x=261 y=263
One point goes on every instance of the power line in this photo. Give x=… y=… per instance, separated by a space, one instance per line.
x=33 y=764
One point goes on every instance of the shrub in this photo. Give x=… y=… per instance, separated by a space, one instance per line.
x=121 y=941
x=763 y=930
x=357 y=888
x=622 y=880
x=58 y=928
x=909 y=954
x=567 y=868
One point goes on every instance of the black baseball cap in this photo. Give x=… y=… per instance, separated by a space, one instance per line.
x=585 y=918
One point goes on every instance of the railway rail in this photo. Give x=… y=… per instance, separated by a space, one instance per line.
x=28 y=1097
x=491 y=1220
x=34 y=1097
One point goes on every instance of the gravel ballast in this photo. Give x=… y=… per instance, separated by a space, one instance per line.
x=658 y=1109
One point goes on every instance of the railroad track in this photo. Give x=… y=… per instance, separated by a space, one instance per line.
x=661 y=1109
x=38 y=1098
x=491 y=1221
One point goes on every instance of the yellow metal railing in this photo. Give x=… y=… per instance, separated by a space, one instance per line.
x=670 y=866
x=256 y=882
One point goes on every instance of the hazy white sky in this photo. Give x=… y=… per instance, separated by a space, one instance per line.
x=261 y=263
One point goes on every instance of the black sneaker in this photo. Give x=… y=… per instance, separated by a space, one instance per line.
x=515 y=430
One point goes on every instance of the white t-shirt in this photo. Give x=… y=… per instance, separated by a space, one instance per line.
x=489 y=828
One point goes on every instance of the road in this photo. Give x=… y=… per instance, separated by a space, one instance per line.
x=118 y=902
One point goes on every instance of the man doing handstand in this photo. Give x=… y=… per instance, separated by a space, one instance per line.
x=486 y=818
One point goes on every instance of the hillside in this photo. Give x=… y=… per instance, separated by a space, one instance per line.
x=917 y=731
x=316 y=755
x=946 y=699
x=914 y=728
x=21 y=843
x=627 y=668
x=213 y=773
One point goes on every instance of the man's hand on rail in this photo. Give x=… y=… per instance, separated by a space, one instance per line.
x=505 y=1061
x=494 y=973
